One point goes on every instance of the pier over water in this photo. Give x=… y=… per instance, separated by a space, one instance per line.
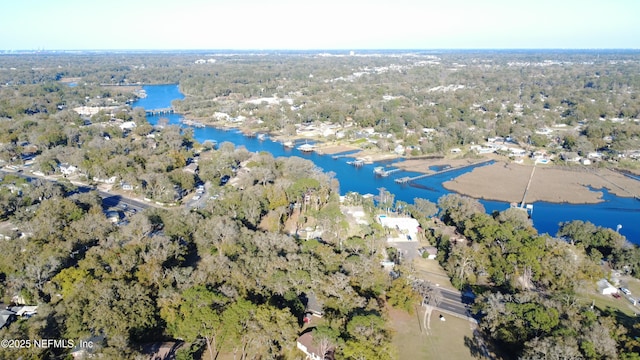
x=156 y=112
x=406 y=179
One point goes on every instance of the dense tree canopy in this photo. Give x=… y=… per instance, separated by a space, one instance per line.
x=234 y=275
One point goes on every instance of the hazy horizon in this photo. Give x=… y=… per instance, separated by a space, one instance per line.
x=355 y=52
x=306 y=25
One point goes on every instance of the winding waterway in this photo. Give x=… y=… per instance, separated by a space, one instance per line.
x=613 y=211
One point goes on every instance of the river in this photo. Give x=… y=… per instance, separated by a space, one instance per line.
x=613 y=211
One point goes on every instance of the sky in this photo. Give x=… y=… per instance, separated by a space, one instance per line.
x=320 y=24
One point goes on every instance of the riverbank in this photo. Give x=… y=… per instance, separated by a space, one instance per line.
x=576 y=185
x=617 y=210
x=322 y=146
x=502 y=181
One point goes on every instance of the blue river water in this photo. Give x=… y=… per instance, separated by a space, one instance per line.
x=613 y=211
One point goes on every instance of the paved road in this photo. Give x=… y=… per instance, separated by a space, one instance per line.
x=452 y=300
x=108 y=199
x=113 y=200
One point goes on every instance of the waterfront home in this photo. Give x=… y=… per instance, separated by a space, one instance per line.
x=483 y=149
x=221 y=116
x=408 y=227
x=517 y=152
x=570 y=157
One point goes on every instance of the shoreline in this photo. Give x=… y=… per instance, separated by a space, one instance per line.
x=502 y=181
x=323 y=147
x=507 y=182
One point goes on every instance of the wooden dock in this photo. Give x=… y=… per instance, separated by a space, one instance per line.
x=524 y=196
x=334 y=157
x=356 y=162
x=380 y=171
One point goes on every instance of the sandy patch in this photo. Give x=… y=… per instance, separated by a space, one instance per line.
x=334 y=149
x=507 y=182
x=372 y=156
x=422 y=165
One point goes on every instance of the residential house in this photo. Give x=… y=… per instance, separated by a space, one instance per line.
x=67 y=169
x=191 y=168
x=128 y=126
x=110 y=180
x=431 y=252
x=88 y=348
x=161 y=350
x=407 y=226
x=25 y=310
x=605 y=288
x=306 y=344
x=570 y=157
x=313 y=306
x=594 y=155
x=399 y=150
x=221 y=116
x=126 y=186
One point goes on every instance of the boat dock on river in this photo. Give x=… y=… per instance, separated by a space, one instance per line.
x=356 y=162
x=380 y=171
x=407 y=179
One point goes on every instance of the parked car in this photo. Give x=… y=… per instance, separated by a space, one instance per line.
x=625 y=291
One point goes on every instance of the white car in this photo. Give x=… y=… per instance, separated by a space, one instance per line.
x=195 y=198
x=625 y=291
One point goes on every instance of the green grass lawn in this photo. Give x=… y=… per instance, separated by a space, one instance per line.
x=447 y=340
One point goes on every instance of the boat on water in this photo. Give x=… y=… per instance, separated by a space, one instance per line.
x=380 y=171
x=356 y=162
x=288 y=144
x=262 y=137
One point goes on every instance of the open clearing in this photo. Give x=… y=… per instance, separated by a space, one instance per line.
x=447 y=340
